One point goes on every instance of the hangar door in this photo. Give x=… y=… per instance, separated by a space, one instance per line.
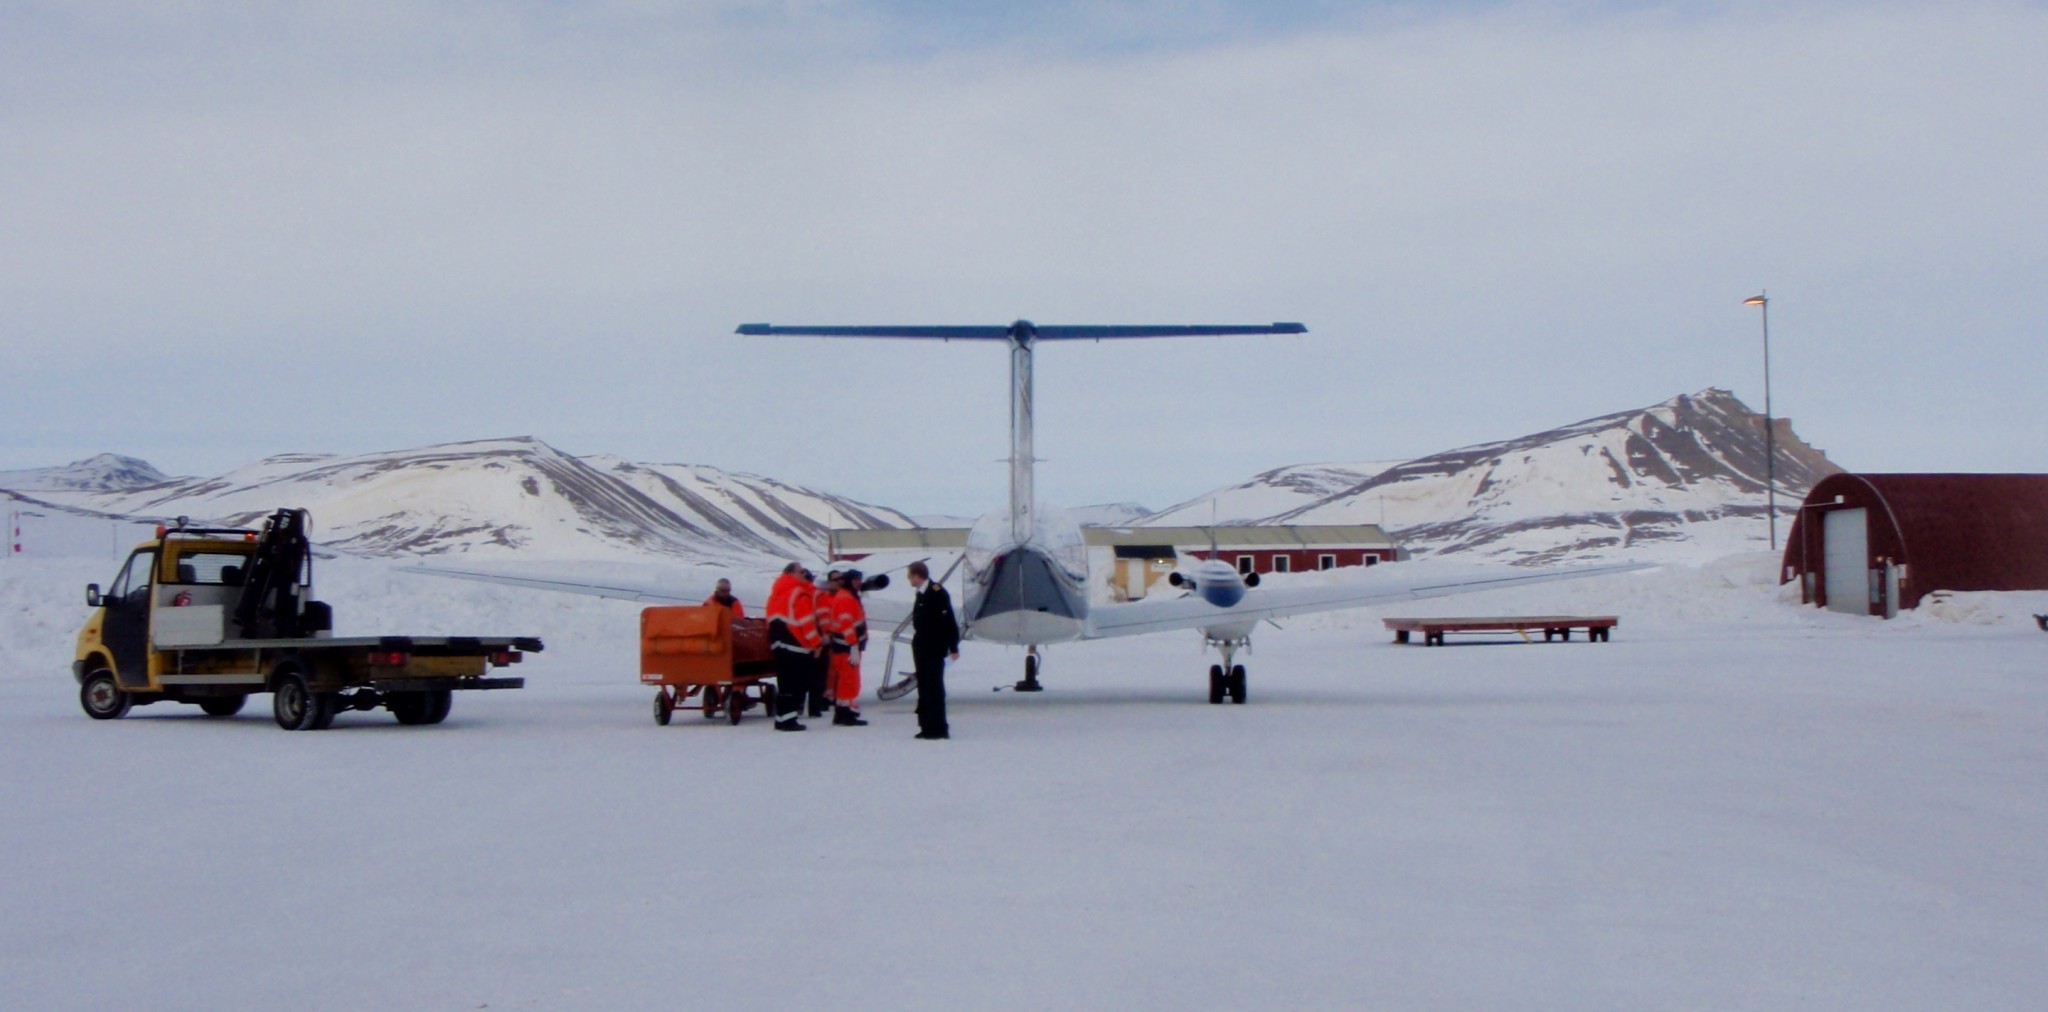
x=1845 y=551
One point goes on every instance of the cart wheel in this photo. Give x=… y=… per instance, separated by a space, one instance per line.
x=663 y=707
x=735 y=704
x=714 y=701
x=768 y=700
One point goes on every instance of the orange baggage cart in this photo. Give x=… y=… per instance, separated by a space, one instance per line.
x=698 y=655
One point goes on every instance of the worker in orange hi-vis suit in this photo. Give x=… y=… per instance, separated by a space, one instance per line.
x=849 y=640
x=821 y=671
x=793 y=636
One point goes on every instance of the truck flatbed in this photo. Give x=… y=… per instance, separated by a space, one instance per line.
x=414 y=644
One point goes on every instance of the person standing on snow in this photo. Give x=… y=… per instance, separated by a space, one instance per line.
x=849 y=641
x=821 y=666
x=934 y=639
x=793 y=638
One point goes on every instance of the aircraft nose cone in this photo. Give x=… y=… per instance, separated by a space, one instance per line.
x=1223 y=595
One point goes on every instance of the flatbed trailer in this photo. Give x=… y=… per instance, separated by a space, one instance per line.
x=1598 y=627
x=209 y=617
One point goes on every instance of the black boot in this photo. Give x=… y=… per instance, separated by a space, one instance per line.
x=846 y=716
x=789 y=724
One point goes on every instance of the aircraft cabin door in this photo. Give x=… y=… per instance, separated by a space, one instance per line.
x=125 y=631
x=1845 y=552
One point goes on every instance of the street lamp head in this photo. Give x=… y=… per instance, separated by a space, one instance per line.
x=1755 y=300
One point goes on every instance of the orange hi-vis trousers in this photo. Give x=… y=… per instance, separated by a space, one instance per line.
x=843 y=683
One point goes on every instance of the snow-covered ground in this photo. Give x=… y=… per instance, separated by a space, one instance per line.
x=1737 y=803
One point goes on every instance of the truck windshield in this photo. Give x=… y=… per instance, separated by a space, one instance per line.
x=211 y=569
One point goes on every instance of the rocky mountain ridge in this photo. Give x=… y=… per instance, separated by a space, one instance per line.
x=1688 y=470
x=494 y=497
x=1684 y=477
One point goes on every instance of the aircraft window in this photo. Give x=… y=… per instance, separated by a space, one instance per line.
x=1246 y=564
x=1326 y=562
x=212 y=569
x=1282 y=564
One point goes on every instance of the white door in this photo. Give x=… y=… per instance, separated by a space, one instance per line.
x=1845 y=552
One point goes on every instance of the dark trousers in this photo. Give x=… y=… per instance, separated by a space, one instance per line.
x=931 y=688
x=821 y=668
x=793 y=672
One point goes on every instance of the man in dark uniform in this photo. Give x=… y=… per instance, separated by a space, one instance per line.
x=934 y=640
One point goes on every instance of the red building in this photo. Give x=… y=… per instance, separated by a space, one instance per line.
x=1871 y=544
x=1290 y=549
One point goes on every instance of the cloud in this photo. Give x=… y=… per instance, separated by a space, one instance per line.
x=474 y=220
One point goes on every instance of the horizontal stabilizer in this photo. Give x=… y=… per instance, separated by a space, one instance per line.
x=1057 y=332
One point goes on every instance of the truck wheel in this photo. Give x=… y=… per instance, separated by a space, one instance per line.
x=439 y=702
x=103 y=698
x=297 y=707
x=223 y=706
x=408 y=707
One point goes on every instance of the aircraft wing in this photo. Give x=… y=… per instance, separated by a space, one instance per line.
x=1406 y=581
x=647 y=584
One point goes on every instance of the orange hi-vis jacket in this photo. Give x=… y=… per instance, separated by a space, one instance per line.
x=738 y=610
x=793 y=615
x=827 y=620
x=849 y=619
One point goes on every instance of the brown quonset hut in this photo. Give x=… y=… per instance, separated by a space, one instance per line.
x=1871 y=544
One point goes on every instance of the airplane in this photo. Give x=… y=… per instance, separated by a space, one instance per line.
x=1026 y=566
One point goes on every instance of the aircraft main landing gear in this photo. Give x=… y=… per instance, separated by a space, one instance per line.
x=1227 y=679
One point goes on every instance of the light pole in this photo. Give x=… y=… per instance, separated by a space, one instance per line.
x=1762 y=300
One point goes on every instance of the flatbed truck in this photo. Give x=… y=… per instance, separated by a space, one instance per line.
x=211 y=616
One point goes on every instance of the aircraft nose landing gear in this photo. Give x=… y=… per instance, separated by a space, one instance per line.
x=1030 y=682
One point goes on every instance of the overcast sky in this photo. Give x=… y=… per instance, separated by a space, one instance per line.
x=228 y=231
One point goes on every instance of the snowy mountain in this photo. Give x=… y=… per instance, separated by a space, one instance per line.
x=1682 y=477
x=1109 y=514
x=1267 y=494
x=502 y=495
x=1687 y=473
x=104 y=473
